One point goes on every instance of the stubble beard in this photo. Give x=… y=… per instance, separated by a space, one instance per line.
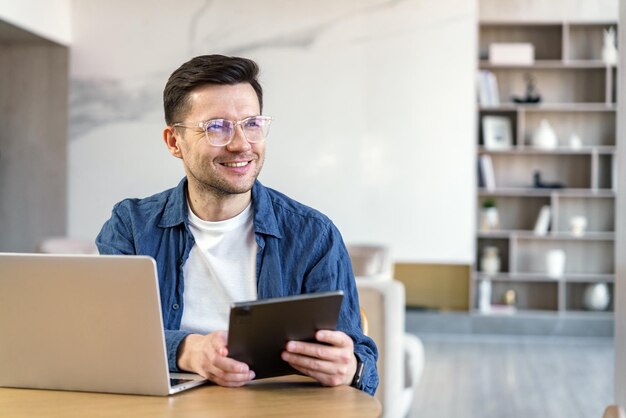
x=219 y=186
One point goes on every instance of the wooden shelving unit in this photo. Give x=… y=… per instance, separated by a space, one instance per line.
x=578 y=93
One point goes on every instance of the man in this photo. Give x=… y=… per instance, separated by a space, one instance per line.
x=220 y=236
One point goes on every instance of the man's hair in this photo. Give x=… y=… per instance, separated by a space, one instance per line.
x=203 y=70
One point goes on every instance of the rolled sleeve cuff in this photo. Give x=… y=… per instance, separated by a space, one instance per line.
x=173 y=338
x=370 y=378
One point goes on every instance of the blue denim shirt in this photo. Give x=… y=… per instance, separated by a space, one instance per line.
x=299 y=251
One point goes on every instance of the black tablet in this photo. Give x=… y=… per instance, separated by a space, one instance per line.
x=259 y=330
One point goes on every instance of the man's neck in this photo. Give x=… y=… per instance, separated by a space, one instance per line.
x=215 y=207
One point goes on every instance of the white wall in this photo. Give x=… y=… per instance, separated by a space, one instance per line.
x=50 y=19
x=373 y=104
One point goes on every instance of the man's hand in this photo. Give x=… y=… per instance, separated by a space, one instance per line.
x=331 y=365
x=206 y=356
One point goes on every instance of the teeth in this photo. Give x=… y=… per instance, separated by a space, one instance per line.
x=241 y=164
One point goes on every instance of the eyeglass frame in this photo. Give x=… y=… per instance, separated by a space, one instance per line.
x=202 y=126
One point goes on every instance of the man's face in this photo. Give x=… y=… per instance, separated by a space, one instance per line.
x=227 y=170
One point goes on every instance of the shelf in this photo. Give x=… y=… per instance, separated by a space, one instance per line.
x=529 y=191
x=543 y=278
x=551 y=107
x=590 y=278
x=541 y=23
x=529 y=150
x=548 y=65
x=513 y=277
x=518 y=313
x=588 y=314
x=558 y=235
x=539 y=313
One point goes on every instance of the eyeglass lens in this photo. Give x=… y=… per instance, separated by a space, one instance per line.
x=221 y=131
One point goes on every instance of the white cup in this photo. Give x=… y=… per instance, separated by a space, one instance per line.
x=555 y=263
x=577 y=225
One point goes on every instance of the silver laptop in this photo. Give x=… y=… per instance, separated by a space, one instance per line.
x=85 y=323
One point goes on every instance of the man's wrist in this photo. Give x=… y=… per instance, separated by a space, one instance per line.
x=183 y=357
x=357 y=380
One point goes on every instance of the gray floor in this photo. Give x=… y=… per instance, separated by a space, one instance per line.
x=506 y=376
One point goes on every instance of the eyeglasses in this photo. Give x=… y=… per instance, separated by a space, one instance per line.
x=220 y=132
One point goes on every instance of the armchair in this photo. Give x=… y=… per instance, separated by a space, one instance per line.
x=400 y=355
x=66 y=245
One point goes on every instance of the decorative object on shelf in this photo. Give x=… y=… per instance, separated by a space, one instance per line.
x=596 y=297
x=511 y=53
x=489 y=216
x=497 y=132
x=486 y=172
x=609 y=48
x=555 y=263
x=540 y=184
x=484 y=295
x=543 y=221
x=490 y=261
x=575 y=142
x=545 y=137
x=488 y=94
x=577 y=225
x=509 y=297
x=532 y=96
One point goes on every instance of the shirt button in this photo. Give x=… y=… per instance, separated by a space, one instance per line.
x=175 y=306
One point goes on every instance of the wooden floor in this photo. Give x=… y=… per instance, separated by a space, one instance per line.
x=500 y=376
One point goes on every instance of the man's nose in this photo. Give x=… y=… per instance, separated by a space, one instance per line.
x=239 y=141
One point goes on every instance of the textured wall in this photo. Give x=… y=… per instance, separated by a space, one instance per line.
x=373 y=104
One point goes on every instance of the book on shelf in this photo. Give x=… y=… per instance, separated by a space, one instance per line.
x=543 y=221
x=486 y=173
x=488 y=94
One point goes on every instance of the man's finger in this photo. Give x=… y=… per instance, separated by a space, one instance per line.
x=334 y=338
x=309 y=363
x=229 y=365
x=325 y=379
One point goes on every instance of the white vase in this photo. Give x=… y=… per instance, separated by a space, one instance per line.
x=596 y=297
x=575 y=142
x=578 y=224
x=545 y=137
x=484 y=295
x=555 y=263
x=609 y=49
x=490 y=261
x=490 y=220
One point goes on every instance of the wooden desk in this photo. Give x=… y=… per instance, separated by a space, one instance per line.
x=289 y=396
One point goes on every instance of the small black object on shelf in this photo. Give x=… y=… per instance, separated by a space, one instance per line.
x=540 y=184
x=532 y=96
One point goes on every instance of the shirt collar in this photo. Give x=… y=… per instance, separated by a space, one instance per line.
x=175 y=212
x=264 y=216
x=265 y=222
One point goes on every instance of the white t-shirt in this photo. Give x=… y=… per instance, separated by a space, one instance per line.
x=220 y=270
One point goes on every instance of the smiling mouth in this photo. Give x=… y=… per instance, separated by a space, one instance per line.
x=239 y=164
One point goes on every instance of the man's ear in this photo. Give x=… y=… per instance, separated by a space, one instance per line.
x=171 y=138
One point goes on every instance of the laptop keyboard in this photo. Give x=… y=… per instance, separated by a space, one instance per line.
x=176 y=382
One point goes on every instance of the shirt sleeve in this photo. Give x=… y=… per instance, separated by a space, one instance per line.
x=117 y=238
x=334 y=269
x=116 y=235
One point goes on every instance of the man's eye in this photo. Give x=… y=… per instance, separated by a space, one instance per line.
x=253 y=123
x=217 y=125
